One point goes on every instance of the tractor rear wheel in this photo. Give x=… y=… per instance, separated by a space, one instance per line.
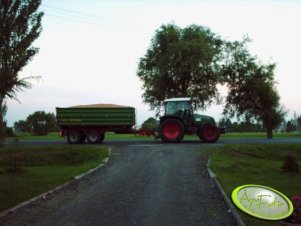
x=209 y=133
x=171 y=130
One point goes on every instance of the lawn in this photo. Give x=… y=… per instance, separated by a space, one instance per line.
x=109 y=136
x=28 y=171
x=237 y=165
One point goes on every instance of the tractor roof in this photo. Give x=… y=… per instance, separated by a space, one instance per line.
x=178 y=99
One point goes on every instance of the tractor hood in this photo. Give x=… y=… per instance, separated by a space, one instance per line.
x=204 y=119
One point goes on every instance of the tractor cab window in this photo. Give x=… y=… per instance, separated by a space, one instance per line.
x=176 y=107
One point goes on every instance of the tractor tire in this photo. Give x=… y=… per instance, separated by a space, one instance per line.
x=209 y=133
x=74 y=137
x=171 y=130
x=94 y=137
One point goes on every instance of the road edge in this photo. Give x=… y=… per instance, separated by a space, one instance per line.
x=229 y=204
x=43 y=195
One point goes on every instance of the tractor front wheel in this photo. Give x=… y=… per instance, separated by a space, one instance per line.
x=209 y=133
x=171 y=130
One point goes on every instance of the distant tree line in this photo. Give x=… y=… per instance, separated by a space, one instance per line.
x=240 y=126
x=38 y=124
x=291 y=125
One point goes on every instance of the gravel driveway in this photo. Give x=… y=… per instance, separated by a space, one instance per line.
x=143 y=184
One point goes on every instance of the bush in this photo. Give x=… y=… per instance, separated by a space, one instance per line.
x=10 y=132
x=290 y=164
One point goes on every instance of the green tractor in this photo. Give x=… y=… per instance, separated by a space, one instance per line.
x=179 y=119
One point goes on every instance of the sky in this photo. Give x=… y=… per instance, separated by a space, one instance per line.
x=90 y=49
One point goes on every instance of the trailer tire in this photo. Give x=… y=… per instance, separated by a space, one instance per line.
x=94 y=136
x=74 y=137
x=209 y=133
x=171 y=130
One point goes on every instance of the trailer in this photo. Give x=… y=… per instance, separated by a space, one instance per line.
x=91 y=122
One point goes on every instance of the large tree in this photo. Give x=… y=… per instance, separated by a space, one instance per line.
x=179 y=63
x=20 y=26
x=252 y=93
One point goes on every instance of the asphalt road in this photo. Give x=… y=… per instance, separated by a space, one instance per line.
x=143 y=184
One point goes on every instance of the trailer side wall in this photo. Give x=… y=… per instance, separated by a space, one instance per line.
x=106 y=117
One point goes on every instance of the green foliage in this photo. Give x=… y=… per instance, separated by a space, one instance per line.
x=181 y=62
x=150 y=123
x=252 y=93
x=293 y=124
x=3 y=109
x=10 y=132
x=240 y=126
x=21 y=126
x=39 y=123
x=20 y=27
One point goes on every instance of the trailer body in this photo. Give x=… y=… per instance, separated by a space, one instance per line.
x=92 y=121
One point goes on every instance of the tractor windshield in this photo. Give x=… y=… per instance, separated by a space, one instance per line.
x=176 y=107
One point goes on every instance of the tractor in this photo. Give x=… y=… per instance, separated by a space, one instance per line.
x=179 y=119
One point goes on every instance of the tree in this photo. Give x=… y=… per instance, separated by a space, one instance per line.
x=3 y=109
x=20 y=26
x=226 y=123
x=180 y=63
x=41 y=123
x=252 y=92
x=150 y=123
x=299 y=123
x=290 y=126
x=21 y=126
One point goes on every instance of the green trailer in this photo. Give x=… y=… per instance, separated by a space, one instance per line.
x=90 y=122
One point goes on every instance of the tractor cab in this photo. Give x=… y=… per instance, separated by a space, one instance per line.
x=180 y=108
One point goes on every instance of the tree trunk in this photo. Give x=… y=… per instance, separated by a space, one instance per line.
x=269 y=133
x=2 y=124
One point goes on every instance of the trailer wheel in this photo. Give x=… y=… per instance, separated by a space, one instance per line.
x=73 y=137
x=171 y=130
x=209 y=133
x=94 y=136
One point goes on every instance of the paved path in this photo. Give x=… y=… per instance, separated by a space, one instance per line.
x=143 y=184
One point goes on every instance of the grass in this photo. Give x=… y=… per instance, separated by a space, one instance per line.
x=261 y=135
x=110 y=136
x=237 y=165
x=28 y=171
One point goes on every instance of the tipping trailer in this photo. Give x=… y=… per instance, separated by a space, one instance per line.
x=90 y=122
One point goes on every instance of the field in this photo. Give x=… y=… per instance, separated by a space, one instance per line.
x=237 y=165
x=31 y=170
